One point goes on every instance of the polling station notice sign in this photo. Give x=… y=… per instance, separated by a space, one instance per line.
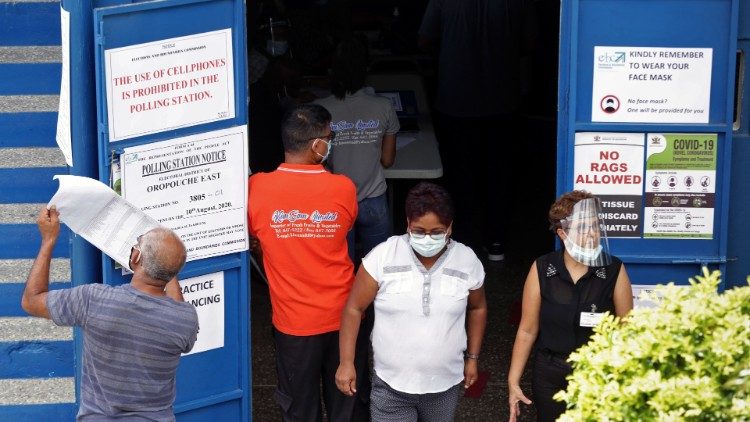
x=169 y=84
x=206 y=294
x=195 y=185
x=610 y=165
x=651 y=85
x=680 y=185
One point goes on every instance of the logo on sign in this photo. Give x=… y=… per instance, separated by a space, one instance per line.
x=611 y=60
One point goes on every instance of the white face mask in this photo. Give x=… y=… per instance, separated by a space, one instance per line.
x=427 y=246
x=276 y=48
x=328 y=151
x=586 y=256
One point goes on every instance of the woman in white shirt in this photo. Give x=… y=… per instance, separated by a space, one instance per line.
x=423 y=284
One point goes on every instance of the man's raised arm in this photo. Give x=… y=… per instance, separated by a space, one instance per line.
x=34 y=300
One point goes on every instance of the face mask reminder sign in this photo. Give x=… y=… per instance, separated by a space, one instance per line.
x=610 y=165
x=651 y=85
x=206 y=294
x=195 y=186
x=680 y=185
x=169 y=84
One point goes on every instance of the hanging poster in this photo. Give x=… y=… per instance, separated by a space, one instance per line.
x=195 y=185
x=651 y=84
x=169 y=84
x=206 y=294
x=62 y=134
x=680 y=185
x=610 y=165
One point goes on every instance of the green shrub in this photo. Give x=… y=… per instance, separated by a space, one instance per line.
x=687 y=359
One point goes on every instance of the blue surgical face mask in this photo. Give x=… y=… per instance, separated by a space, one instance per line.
x=427 y=246
x=328 y=151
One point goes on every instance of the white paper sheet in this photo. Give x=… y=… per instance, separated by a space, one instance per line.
x=206 y=294
x=195 y=185
x=402 y=140
x=62 y=136
x=95 y=212
x=169 y=84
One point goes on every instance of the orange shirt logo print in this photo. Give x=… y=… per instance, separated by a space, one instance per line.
x=318 y=217
x=279 y=216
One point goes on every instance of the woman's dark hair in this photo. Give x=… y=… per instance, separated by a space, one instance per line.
x=563 y=207
x=349 y=69
x=301 y=124
x=428 y=197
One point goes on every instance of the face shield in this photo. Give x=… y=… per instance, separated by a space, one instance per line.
x=585 y=236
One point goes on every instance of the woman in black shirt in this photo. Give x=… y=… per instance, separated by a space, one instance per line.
x=566 y=294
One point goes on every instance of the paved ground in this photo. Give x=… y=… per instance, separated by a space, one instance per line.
x=503 y=286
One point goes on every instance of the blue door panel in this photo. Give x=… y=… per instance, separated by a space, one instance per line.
x=586 y=24
x=213 y=384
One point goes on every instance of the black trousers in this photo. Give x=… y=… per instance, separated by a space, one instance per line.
x=302 y=362
x=548 y=378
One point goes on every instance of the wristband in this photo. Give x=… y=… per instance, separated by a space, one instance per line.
x=471 y=356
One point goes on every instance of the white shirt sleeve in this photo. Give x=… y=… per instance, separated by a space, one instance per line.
x=476 y=274
x=373 y=262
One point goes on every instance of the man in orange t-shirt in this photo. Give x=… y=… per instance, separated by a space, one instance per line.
x=301 y=214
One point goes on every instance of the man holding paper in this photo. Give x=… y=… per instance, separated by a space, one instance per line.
x=133 y=333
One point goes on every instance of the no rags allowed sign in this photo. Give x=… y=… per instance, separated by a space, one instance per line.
x=610 y=165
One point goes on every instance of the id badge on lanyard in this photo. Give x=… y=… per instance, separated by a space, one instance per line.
x=591 y=319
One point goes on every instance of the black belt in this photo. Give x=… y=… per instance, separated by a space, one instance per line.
x=554 y=356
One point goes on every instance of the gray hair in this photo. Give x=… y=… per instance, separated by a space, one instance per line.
x=160 y=262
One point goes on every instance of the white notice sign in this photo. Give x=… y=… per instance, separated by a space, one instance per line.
x=62 y=136
x=169 y=84
x=195 y=185
x=206 y=294
x=610 y=165
x=651 y=85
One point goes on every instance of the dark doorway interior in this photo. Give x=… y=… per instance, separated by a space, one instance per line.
x=293 y=67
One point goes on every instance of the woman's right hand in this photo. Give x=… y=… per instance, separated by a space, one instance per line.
x=346 y=378
x=515 y=395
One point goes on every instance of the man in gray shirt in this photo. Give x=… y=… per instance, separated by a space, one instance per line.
x=133 y=334
x=365 y=125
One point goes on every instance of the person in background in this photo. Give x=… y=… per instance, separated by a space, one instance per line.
x=366 y=127
x=300 y=214
x=478 y=43
x=565 y=295
x=133 y=334
x=424 y=286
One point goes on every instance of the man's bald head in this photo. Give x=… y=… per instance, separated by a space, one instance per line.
x=162 y=254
